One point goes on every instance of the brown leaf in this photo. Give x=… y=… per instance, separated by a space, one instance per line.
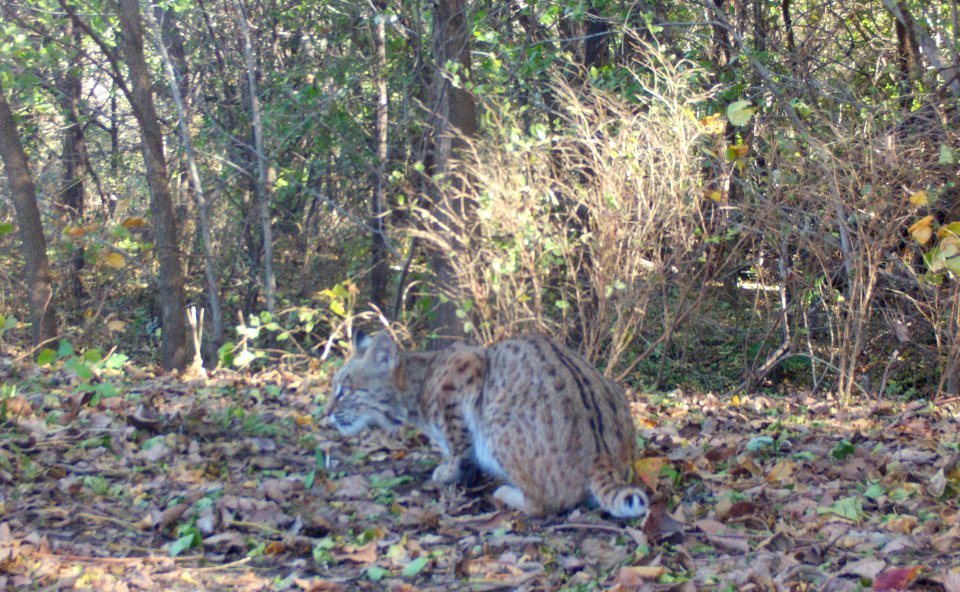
x=318 y=585
x=896 y=580
x=420 y=518
x=868 y=568
x=634 y=576
x=364 y=555
x=280 y=490
x=782 y=472
x=648 y=470
x=352 y=487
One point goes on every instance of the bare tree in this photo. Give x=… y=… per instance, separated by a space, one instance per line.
x=203 y=208
x=175 y=349
x=922 y=38
x=71 y=198
x=36 y=266
x=264 y=182
x=378 y=250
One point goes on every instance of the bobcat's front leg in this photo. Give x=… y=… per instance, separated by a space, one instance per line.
x=452 y=390
x=457 y=452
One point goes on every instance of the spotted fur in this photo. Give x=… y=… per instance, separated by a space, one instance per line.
x=526 y=410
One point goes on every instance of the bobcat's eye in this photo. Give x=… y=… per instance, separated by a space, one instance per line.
x=342 y=391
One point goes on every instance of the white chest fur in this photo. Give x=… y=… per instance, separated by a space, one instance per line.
x=481 y=446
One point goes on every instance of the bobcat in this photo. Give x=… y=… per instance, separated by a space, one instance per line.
x=526 y=410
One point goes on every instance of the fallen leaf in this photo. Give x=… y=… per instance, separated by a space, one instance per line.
x=919 y=198
x=782 y=472
x=365 y=554
x=896 y=580
x=868 y=568
x=648 y=470
x=634 y=576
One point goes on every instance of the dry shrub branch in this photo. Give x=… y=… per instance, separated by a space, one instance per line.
x=581 y=225
x=861 y=298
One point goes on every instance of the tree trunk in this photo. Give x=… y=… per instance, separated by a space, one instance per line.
x=264 y=182
x=378 y=247
x=203 y=209
x=71 y=197
x=454 y=118
x=921 y=36
x=175 y=347
x=39 y=278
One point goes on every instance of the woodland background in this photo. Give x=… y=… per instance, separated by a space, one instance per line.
x=746 y=208
x=706 y=193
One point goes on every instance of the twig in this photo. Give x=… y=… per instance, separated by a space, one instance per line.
x=585 y=526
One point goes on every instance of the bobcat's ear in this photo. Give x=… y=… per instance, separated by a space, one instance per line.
x=361 y=342
x=383 y=351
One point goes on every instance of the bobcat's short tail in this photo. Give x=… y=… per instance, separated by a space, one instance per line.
x=613 y=494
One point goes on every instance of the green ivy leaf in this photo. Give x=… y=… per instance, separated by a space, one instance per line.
x=414 y=567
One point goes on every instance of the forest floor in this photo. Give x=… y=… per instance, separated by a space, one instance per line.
x=120 y=479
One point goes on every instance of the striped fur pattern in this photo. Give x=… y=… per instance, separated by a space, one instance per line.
x=526 y=410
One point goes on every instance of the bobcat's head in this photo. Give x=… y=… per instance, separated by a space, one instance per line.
x=364 y=389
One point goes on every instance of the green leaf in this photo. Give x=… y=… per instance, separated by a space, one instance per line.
x=183 y=543
x=92 y=355
x=952 y=228
x=946 y=154
x=375 y=573
x=6 y=228
x=106 y=390
x=873 y=492
x=842 y=450
x=850 y=508
x=79 y=368
x=64 y=349
x=760 y=443
x=151 y=442
x=46 y=357
x=740 y=112
x=225 y=353
x=414 y=567
x=115 y=361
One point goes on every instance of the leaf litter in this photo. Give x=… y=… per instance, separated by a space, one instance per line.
x=235 y=482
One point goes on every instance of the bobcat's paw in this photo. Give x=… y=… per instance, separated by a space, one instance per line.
x=447 y=472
